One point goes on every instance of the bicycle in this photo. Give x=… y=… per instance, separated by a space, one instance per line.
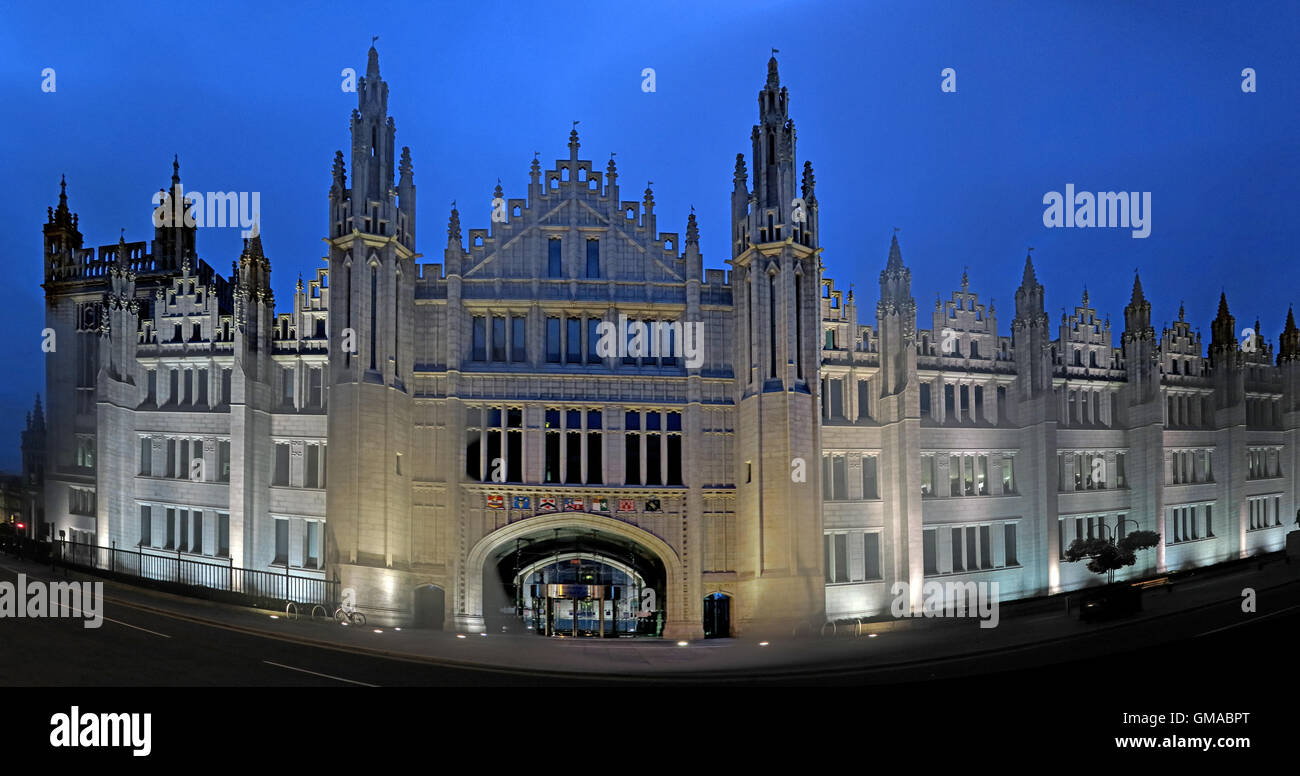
x=345 y=617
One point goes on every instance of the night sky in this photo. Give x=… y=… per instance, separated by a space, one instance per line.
x=1109 y=96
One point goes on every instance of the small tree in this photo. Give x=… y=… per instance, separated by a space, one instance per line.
x=1105 y=556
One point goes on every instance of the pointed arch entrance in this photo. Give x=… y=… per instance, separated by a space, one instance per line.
x=623 y=561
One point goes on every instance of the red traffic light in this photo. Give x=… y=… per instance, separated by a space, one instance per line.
x=22 y=526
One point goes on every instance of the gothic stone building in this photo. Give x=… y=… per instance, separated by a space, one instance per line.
x=764 y=461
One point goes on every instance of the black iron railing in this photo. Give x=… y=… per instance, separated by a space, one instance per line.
x=269 y=589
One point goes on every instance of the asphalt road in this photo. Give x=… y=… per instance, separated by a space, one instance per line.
x=143 y=647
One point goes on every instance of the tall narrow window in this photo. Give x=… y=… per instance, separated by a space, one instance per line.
x=311 y=545
x=223 y=534
x=595 y=456
x=397 y=317
x=146 y=525
x=146 y=456
x=956 y=550
x=281 y=541
x=771 y=320
x=929 y=551
x=202 y=387
x=498 y=338
x=553 y=340
x=281 y=465
x=553 y=267
x=841 y=558
x=869 y=489
x=374 y=307
x=223 y=461
x=798 y=325
x=518 y=339
x=632 y=448
x=286 y=386
x=1010 y=538
x=573 y=344
x=593 y=258
x=871 y=555
x=478 y=345
x=313 y=463
x=593 y=340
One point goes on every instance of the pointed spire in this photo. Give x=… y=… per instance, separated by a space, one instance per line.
x=741 y=176
x=809 y=183
x=372 y=61
x=1029 y=279
x=1085 y=296
x=611 y=169
x=60 y=216
x=773 y=75
x=535 y=169
x=1137 y=297
x=1223 y=330
x=339 y=172
x=574 y=145
x=406 y=171
x=1288 y=345
x=498 y=193
x=38 y=414
x=1182 y=311
x=965 y=280
x=895 y=254
x=176 y=170
x=453 y=225
x=692 y=229
x=649 y=199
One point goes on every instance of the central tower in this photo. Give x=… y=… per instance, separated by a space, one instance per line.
x=371 y=287
x=776 y=281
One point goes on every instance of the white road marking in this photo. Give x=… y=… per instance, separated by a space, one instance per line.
x=1248 y=622
x=63 y=605
x=314 y=673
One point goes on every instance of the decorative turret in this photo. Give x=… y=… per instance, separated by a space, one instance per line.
x=62 y=237
x=896 y=322
x=1223 y=336
x=175 y=228
x=1288 y=344
x=1029 y=331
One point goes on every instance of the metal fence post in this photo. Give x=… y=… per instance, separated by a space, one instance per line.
x=112 y=557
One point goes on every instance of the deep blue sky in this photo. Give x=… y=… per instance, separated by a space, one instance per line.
x=1105 y=95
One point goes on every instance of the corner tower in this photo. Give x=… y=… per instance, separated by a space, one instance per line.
x=371 y=285
x=777 y=277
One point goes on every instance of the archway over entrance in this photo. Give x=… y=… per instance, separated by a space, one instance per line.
x=717 y=616
x=571 y=557
x=430 y=607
